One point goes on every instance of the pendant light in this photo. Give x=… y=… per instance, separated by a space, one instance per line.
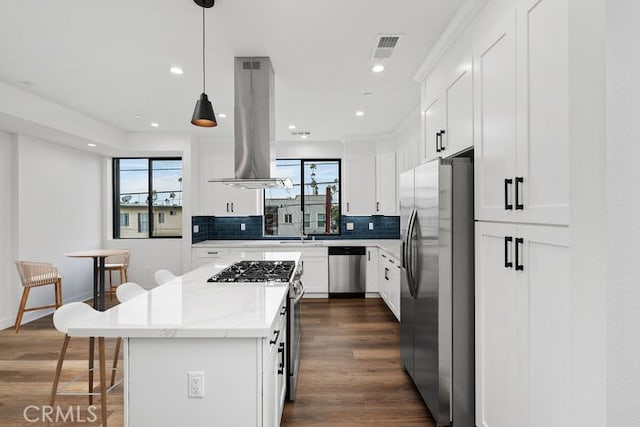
x=203 y=114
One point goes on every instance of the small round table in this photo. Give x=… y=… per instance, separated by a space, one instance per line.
x=98 y=256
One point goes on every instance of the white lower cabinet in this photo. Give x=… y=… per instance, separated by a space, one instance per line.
x=315 y=275
x=522 y=325
x=372 y=270
x=244 y=379
x=202 y=256
x=389 y=281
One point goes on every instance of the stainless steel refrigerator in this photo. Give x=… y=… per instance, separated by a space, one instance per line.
x=437 y=290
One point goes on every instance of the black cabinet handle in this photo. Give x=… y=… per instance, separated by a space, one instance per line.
x=231 y=206
x=377 y=206
x=283 y=311
x=227 y=206
x=276 y=334
x=347 y=206
x=386 y=273
x=442 y=147
x=519 y=266
x=519 y=180
x=437 y=142
x=368 y=255
x=507 y=182
x=507 y=241
x=281 y=357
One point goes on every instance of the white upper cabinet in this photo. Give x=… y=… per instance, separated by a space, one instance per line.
x=433 y=127
x=359 y=178
x=386 y=184
x=458 y=133
x=495 y=142
x=216 y=161
x=522 y=117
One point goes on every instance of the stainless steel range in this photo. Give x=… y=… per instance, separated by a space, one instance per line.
x=275 y=272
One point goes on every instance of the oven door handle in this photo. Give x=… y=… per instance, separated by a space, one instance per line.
x=299 y=288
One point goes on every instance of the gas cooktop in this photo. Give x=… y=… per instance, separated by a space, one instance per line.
x=256 y=271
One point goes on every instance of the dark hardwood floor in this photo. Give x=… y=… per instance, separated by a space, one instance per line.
x=350 y=370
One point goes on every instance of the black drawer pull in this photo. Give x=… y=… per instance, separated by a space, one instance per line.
x=519 y=265
x=281 y=356
x=507 y=241
x=507 y=182
x=519 y=180
x=276 y=334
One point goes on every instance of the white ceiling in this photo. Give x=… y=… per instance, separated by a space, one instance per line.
x=111 y=59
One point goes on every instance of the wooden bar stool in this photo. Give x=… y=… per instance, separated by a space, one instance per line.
x=63 y=318
x=34 y=274
x=119 y=263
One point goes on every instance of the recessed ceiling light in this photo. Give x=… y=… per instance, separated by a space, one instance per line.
x=367 y=93
x=292 y=127
x=91 y=145
x=139 y=116
x=359 y=113
x=154 y=125
x=223 y=115
x=378 y=68
x=176 y=70
x=304 y=136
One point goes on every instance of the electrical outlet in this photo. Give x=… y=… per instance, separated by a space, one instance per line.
x=349 y=226
x=243 y=227
x=196 y=228
x=370 y=226
x=196 y=384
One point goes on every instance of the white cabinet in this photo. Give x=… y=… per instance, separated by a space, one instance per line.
x=372 y=269
x=522 y=136
x=216 y=161
x=433 y=127
x=316 y=271
x=202 y=256
x=274 y=373
x=386 y=184
x=389 y=281
x=359 y=185
x=522 y=325
x=448 y=118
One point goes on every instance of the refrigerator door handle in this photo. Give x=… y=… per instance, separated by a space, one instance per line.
x=409 y=255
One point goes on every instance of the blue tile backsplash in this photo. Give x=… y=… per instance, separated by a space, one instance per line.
x=229 y=228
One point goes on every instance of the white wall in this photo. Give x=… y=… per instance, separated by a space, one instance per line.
x=623 y=213
x=9 y=292
x=59 y=209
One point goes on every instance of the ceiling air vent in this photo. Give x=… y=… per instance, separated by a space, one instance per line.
x=385 y=44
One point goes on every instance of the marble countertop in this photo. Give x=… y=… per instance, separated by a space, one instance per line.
x=189 y=306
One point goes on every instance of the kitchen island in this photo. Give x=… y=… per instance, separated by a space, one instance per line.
x=200 y=353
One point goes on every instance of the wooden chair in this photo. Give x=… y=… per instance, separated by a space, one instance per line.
x=119 y=263
x=34 y=274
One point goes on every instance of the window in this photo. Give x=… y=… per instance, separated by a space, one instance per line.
x=320 y=220
x=315 y=194
x=143 y=222
x=144 y=189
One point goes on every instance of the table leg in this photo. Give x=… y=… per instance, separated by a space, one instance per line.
x=101 y=282
x=95 y=283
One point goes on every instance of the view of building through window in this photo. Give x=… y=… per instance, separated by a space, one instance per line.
x=305 y=208
x=143 y=189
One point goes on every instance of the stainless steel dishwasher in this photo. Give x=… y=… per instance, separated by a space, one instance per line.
x=347 y=271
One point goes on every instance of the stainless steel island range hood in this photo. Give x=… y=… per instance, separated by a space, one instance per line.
x=254 y=121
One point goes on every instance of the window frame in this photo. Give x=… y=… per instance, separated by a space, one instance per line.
x=304 y=161
x=115 y=182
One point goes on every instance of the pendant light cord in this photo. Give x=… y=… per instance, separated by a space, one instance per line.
x=203 y=57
